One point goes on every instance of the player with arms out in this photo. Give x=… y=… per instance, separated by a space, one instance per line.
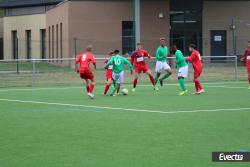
x=109 y=73
x=118 y=63
x=161 y=62
x=139 y=63
x=82 y=67
x=182 y=67
x=246 y=59
x=196 y=60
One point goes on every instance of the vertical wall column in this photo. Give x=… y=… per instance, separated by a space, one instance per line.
x=137 y=20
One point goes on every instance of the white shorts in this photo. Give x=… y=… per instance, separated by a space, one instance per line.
x=183 y=72
x=160 y=66
x=118 y=78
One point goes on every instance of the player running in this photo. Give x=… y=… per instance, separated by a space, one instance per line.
x=246 y=59
x=196 y=60
x=161 y=62
x=138 y=60
x=82 y=67
x=182 y=66
x=109 y=73
x=118 y=63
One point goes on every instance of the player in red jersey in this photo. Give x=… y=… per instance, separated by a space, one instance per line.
x=109 y=73
x=138 y=60
x=82 y=67
x=196 y=60
x=246 y=59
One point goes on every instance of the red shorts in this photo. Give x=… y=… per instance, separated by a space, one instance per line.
x=140 y=69
x=87 y=74
x=109 y=75
x=197 y=74
x=248 y=67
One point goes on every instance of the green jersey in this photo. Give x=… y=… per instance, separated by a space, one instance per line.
x=180 y=60
x=162 y=53
x=118 y=63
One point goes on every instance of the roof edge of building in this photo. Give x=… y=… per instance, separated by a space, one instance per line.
x=16 y=4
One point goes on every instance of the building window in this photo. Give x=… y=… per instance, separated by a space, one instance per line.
x=128 y=39
x=28 y=44
x=186 y=24
x=57 y=48
x=14 y=45
x=49 y=43
x=61 y=42
x=43 y=43
x=1 y=48
x=53 y=42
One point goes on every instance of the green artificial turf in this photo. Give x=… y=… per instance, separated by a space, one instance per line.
x=61 y=127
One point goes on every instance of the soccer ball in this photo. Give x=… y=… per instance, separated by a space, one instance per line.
x=124 y=92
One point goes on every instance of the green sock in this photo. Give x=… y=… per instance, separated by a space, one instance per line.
x=165 y=76
x=113 y=82
x=115 y=88
x=182 y=84
x=156 y=80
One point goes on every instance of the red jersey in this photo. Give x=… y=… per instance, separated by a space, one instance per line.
x=196 y=60
x=110 y=67
x=138 y=58
x=84 y=60
x=247 y=57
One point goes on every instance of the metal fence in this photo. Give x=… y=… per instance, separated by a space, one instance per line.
x=61 y=72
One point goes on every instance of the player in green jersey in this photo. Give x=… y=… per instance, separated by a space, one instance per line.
x=161 y=62
x=118 y=63
x=182 y=67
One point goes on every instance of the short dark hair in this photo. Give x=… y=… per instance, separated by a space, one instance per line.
x=192 y=46
x=111 y=52
x=116 y=51
x=174 y=49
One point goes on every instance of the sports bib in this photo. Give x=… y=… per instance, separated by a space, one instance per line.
x=140 y=59
x=248 y=57
x=110 y=67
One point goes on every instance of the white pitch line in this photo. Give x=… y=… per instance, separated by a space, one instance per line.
x=227 y=87
x=126 y=109
x=37 y=89
x=76 y=87
x=208 y=86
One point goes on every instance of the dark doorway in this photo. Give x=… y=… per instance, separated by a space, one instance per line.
x=186 y=24
x=218 y=44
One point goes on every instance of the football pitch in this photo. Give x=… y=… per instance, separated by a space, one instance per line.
x=62 y=127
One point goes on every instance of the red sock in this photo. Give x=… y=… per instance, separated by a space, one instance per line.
x=92 y=86
x=152 y=80
x=249 y=80
x=135 y=82
x=197 y=85
x=87 y=88
x=118 y=89
x=106 y=89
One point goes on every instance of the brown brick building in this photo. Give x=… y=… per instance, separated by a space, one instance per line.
x=60 y=29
